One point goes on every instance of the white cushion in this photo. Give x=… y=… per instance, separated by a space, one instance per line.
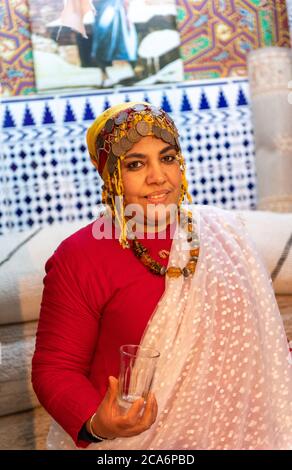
x=271 y=233
x=22 y=261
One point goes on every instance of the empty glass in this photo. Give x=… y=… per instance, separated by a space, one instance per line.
x=137 y=369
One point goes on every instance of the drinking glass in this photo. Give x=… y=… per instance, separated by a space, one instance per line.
x=137 y=369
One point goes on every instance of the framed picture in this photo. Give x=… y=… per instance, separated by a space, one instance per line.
x=129 y=42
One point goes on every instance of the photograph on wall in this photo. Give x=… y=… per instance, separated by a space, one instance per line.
x=129 y=42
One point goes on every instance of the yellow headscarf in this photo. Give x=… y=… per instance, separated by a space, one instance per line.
x=99 y=123
x=109 y=138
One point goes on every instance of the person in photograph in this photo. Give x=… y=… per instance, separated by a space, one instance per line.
x=114 y=37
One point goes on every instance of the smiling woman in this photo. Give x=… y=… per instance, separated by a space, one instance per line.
x=152 y=176
x=138 y=155
x=195 y=290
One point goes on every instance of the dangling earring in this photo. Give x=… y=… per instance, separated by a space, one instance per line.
x=182 y=196
x=117 y=191
x=185 y=184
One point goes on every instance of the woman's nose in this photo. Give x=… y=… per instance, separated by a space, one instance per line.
x=155 y=175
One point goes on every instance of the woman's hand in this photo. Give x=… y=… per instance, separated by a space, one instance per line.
x=110 y=422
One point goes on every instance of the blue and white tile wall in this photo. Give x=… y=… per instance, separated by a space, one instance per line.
x=46 y=175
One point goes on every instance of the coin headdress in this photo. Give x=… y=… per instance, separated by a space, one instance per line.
x=113 y=134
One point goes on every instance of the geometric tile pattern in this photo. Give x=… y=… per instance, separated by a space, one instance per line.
x=217 y=36
x=17 y=69
x=46 y=175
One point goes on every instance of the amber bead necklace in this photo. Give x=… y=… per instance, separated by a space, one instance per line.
x=142 y=253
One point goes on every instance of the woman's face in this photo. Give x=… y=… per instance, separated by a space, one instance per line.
x=152 y=177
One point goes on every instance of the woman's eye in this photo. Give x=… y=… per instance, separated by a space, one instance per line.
x=134 y=165
x=169 y=158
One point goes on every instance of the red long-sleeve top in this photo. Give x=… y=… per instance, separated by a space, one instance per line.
x=97 y=296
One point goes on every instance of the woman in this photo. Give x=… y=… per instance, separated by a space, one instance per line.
x=190 y=286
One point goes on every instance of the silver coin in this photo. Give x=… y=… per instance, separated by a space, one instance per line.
x=177 y=141
x=166 y=135
x=139 y=107
x=172 y=141
x=125 y=143
x=142 y=128
x=133 y=135
x=122 y=117
x=156 y=131
x=117 y=149
x=155 y=111
x=109 y=125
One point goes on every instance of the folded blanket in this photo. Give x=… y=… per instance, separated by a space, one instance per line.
x=16 y=391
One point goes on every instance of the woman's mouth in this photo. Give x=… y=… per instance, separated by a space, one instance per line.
x=157 y=197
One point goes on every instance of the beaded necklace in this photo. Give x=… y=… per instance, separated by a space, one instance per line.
x=142 y=253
